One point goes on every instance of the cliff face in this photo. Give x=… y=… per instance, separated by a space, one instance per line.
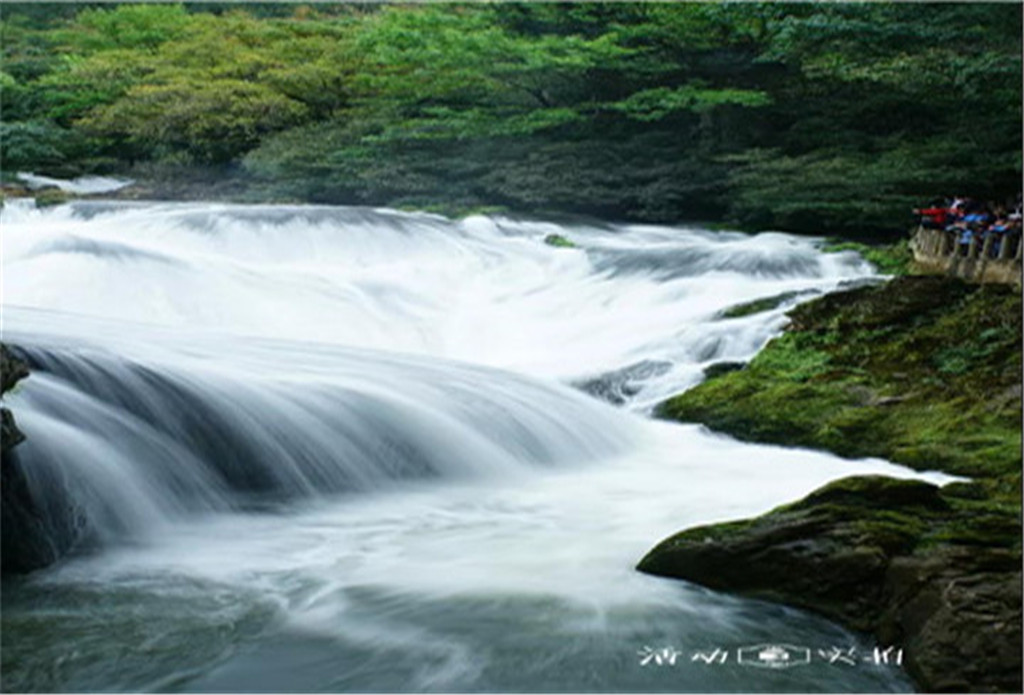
x=923 y=371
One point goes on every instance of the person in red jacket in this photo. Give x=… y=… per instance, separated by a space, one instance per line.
x=934 y=217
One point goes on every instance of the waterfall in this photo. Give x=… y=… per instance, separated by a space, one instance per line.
x=262 y=435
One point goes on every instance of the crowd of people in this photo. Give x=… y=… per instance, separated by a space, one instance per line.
x=968 y=220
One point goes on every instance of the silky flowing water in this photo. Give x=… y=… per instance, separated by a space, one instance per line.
x=343 y=449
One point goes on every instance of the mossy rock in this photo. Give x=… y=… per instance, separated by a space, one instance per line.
x=876 y=492
x=49 y=197
x=923 y=371
x=757 y=306
x=870 y=372
x=891 y=259
x=901 y=302
x=828 y=551
x=718 y=369
x=559 y=241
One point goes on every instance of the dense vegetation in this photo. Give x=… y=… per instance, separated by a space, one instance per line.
x=798 y=116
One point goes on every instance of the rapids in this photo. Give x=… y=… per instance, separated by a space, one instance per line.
x=296 y=448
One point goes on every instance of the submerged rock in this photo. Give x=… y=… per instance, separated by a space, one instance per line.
x=49 y=197
x=559 y=241
x=619 y=386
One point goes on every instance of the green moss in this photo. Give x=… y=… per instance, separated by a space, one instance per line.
x=713 y=371
x=559 y=241
x=49 y=197
x=757 y=306
x=922 y=371
x=792 y=359
x=890 y=259
x=452 y=210
x=870 y=372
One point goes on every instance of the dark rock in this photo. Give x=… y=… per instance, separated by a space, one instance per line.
x=957 y=612
x=855 y=551
x=619 y=386
x=900 y=302
x=33 y=533
x=12 y=369
x=559 y=241
x=720 y=368
x=25 y=530
x=758 y=306
x=10 y=435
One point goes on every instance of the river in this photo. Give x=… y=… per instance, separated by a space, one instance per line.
x=343 y=449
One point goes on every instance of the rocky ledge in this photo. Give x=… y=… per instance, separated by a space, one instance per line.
x=924 y=371
x=868 y=552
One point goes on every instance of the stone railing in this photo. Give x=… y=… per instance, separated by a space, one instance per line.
x=993 y=258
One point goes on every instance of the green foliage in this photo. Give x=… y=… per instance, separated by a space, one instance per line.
x=215 y=121
x=31 y=144
x=655 y=104
x=804 y=117
x=125 y=26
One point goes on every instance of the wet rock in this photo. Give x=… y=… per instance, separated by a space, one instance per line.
x=957 y=612
x=720 y=368
x=559 y=241
x=26 y=531
x=619 y=386
x=10 y=435
x=862 y=551
x=49 y=197
x=759 y=305
x=12 y=370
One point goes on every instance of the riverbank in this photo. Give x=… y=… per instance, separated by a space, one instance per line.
x=923 y=371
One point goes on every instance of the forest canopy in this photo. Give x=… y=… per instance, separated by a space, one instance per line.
x=805 y=117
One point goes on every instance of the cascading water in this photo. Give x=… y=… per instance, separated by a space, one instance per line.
x=300 y=448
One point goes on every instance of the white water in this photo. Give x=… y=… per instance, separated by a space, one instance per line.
x=83 y=185
x=339 y=449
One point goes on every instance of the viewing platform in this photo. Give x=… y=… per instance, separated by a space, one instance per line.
x=995 y=258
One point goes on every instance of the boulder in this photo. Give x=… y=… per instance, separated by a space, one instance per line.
x=861 y=551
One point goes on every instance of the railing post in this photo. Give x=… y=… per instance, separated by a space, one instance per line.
x=1020 y=246
x=972 y=248
x=1004 y=246
x=986 y=247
